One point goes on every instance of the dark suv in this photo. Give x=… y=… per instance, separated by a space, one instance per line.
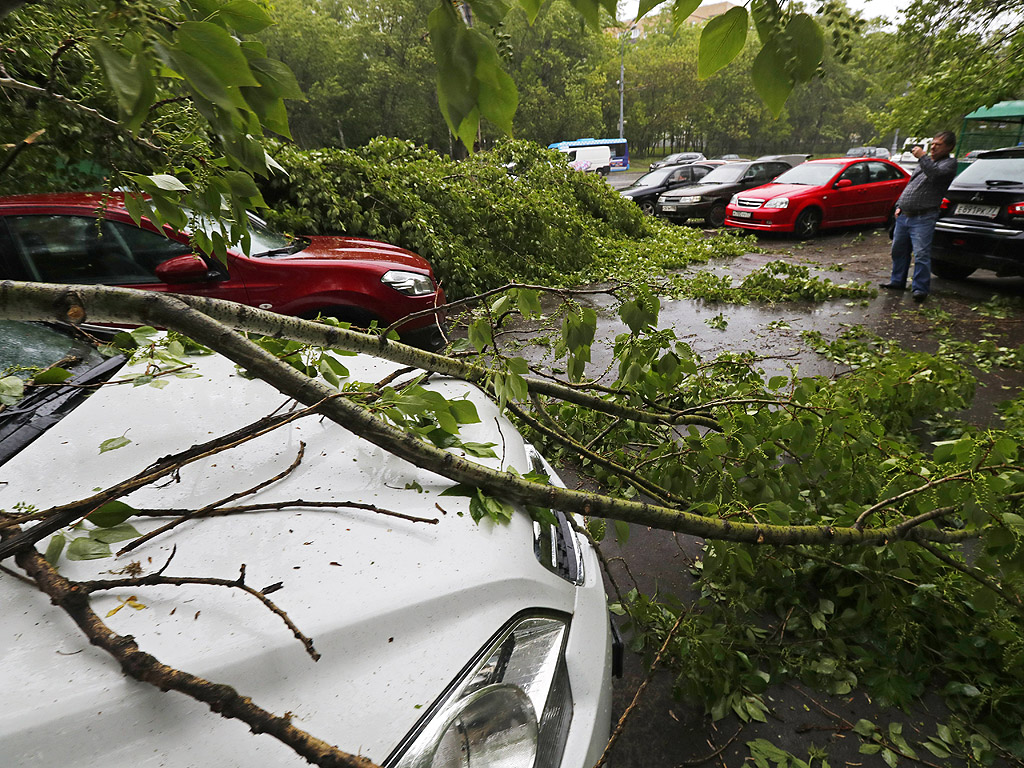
x=981 y=225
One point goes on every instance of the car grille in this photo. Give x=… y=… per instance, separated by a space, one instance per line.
x=748 y=202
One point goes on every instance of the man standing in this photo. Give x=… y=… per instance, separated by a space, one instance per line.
x=916 y=213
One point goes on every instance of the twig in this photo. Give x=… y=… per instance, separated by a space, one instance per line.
x=712 y=755
x=158 y=579
x=203 y=510
x=269 y=506
x=1013 y=600
x=639 y=692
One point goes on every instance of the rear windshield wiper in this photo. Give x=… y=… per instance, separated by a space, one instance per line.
x=1003 y=182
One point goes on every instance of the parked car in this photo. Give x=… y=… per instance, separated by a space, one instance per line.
x=485 y=639
x=879 y=152
x=981 y=224
x=645 y=190
x=730 y=158
x=821 y=194
x=678 y=158
x=56 y=239
x=592 y=159
x=708 y=198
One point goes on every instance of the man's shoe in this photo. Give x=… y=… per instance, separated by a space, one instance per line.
x=893 y=286
x=920 y=296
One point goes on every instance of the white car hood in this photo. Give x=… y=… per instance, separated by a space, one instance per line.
x=396 y=608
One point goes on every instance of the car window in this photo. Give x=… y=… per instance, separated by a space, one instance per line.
x=857 y=174
x=810 y=174
x=76 y=249
x=699 y=171
x=726 y=174
x=882 y=172
x=759 y=172
x=996 y=169
x=777 y=168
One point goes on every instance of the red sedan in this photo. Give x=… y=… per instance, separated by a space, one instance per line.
x=837 y=192
x=56 y=239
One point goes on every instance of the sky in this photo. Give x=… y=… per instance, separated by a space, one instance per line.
x=869 y=8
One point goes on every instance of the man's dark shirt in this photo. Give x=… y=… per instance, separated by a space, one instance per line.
x=924 y=191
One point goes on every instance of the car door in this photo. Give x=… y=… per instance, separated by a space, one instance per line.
x=68 y=248
x=848 y=200
x=886 y=183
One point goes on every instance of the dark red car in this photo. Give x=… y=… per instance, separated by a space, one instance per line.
x=836 y=192
x=56 y=239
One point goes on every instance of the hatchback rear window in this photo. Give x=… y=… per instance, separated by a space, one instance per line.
x=994 y=170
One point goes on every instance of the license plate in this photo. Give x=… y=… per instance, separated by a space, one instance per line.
x=669 y=208
x=741 y=214
x=988 y=211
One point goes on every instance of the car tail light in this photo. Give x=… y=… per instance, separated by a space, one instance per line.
x=1016 y=209
x=944 y=206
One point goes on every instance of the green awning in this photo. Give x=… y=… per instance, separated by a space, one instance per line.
x=1004 y=109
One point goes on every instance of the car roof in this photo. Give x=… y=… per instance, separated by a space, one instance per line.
x=93 y=200
x=995 y=154
x=797 y=158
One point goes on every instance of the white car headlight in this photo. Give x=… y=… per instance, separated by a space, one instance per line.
x=777 y=202
x=734 y=200
x=690 y=199
x=511 y=709
x=409 y=283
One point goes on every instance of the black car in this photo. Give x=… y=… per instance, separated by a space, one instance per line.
x=646 y=190
x=678 y=159
x=708 y=197
x=981 y=224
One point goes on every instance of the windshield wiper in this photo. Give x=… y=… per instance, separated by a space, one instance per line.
x=299 y=244
x=1003 y=183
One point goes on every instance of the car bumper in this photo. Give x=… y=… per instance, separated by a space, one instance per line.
x=983 y=246
x=682 y=211
x=761 y=219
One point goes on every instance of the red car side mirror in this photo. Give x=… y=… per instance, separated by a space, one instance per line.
x=842 y=183
x=187 y=268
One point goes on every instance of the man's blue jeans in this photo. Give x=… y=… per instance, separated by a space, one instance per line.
x=913 y=234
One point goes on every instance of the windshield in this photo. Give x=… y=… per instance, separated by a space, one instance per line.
x=996 y=169
x=263 y=239
x=26 y=351
x=654 y=178
x=725 y=174
x=811 y=174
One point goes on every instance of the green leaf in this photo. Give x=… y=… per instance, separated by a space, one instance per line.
x=12 y=389
x=621 y=531
x=54 y=548
x=110 y=514
x=115 y=533
x=459 y=489
x=771 y=81
x=464 y=411
x=245 y=16
x=114 y=443
x=217 y=50
x=890 y=757
x=129 y=82
x=490 y=12
x=479 y=333
x=480 y=450
x=721 y=41
x=167 y=182
x=808 y=43
x=865 y=728
x=532 y=8
x=85 y=548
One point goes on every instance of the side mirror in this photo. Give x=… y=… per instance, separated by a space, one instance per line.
x=187 y=268
x=843 y=183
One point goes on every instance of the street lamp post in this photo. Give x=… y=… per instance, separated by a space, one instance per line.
x=624 y=38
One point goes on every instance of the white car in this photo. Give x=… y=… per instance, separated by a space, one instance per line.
x=441 y=645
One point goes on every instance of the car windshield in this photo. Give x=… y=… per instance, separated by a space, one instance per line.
x=811 y=174
x=264 y=241
x=725 y=174
x=28 y=349
x=653 y=178
x=993 y=171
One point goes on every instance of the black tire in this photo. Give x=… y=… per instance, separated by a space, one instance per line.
x=807 y=223
x=647 y=208
x=716 y=216
x=951 y=271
